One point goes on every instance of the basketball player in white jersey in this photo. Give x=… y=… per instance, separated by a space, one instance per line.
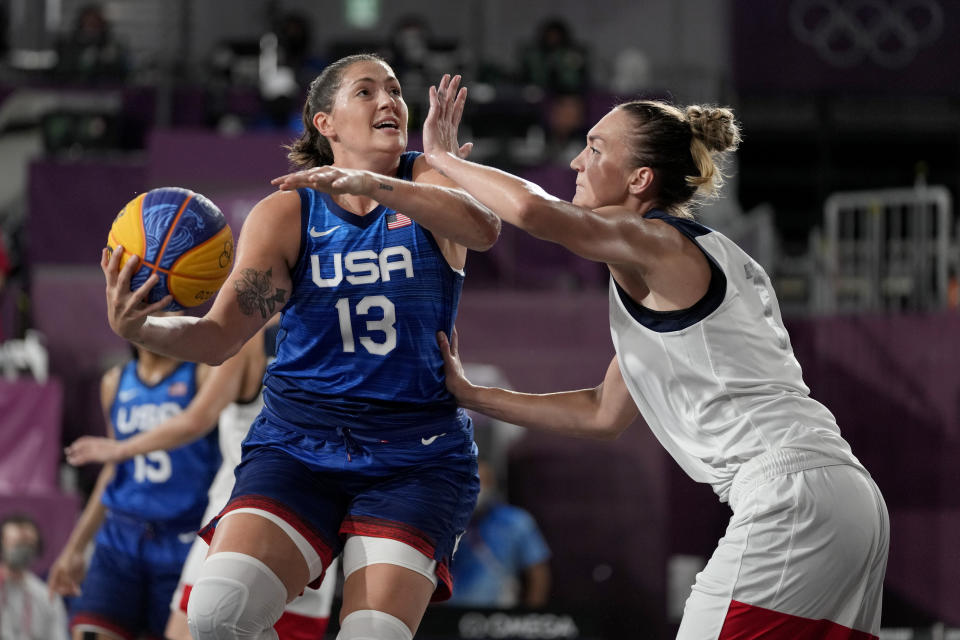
x=237 y=382
x=702 y=354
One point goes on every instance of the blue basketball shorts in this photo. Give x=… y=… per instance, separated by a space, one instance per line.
x=131 y=578
x=416 y=489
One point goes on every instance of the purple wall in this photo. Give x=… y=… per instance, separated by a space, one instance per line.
x=72 y=205
x=30 y=417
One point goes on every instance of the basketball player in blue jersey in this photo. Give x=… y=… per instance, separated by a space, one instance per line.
x=229 y=401
x=702 y=355
x=360 y=448
x=143 y=511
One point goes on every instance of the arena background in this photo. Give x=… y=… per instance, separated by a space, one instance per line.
x=843 y=190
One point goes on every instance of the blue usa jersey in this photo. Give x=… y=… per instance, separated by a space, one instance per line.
x=160 y=486
x=357 y=340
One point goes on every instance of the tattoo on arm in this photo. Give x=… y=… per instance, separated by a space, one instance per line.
x=386 y=187
x=253 y=293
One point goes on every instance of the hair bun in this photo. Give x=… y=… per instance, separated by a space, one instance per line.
x=714 y=126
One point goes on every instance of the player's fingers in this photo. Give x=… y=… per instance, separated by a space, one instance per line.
x=465 y=150
x=140 y=295
x=455 y=345
x=158 y=306
x=321 y=178
x=441 y=106
x=451 y=93
x=108 y=263
x=458 y=106
x=443 y=344
x=285 y=177
x=436 y=107
x=126 y=273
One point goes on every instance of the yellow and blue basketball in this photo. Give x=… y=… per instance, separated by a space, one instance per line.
x=182 y=237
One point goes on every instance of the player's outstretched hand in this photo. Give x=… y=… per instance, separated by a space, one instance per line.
x=66 y=574
x=92 y=449
x=443 y=121
x=127 y=310
x=456 y=380
x=328 y=179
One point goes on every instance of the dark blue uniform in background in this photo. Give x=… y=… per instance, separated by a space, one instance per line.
x=154 y=506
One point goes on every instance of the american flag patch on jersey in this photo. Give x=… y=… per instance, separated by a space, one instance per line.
x=178 y=389
x=396 y=220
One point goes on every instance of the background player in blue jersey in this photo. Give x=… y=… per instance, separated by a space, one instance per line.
x=702 y=354
x=360 y=447
x=229 y=401
x=143 y=511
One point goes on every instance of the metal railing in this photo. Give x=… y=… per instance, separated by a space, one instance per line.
x=885 y=250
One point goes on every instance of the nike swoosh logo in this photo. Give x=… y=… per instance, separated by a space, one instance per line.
x=127 y=395
x=319 y=234
x=426 y=441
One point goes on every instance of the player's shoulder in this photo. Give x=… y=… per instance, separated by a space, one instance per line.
x=421 y=171
x=110 y=382
x=112 y=375
x=273 y=223
x=278 y=203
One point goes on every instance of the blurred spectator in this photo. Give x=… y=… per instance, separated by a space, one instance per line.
x=566 y=128
x=27 y=612
x=555 y=61
x=502 y=559
x=419 y=58
x=287 y=66
x=631 y=72
x=91 y=51
x=294 y=41
x=409 y=53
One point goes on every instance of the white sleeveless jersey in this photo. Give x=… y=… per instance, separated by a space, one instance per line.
x=718 y=383
x=232 y=427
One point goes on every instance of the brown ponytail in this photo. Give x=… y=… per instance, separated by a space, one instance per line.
x=311 y=149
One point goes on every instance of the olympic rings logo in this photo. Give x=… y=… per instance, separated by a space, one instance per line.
x=888 y=33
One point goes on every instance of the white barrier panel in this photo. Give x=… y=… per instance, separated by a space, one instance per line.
x=885 y=250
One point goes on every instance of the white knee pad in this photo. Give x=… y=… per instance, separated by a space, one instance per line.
x=235 y=597
x=367 y=624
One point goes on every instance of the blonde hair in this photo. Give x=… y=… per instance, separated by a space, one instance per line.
x=683 y=149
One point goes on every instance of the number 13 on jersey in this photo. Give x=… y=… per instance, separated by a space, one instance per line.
x=385 y=325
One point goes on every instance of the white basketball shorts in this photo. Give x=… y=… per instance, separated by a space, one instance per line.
x=804 y=555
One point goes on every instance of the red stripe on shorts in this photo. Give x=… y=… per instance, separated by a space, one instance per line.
x=746 y=622
x=185 y=598
x=93 y=620
x=284 y=513
x=295 y=626
x=377 y=528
